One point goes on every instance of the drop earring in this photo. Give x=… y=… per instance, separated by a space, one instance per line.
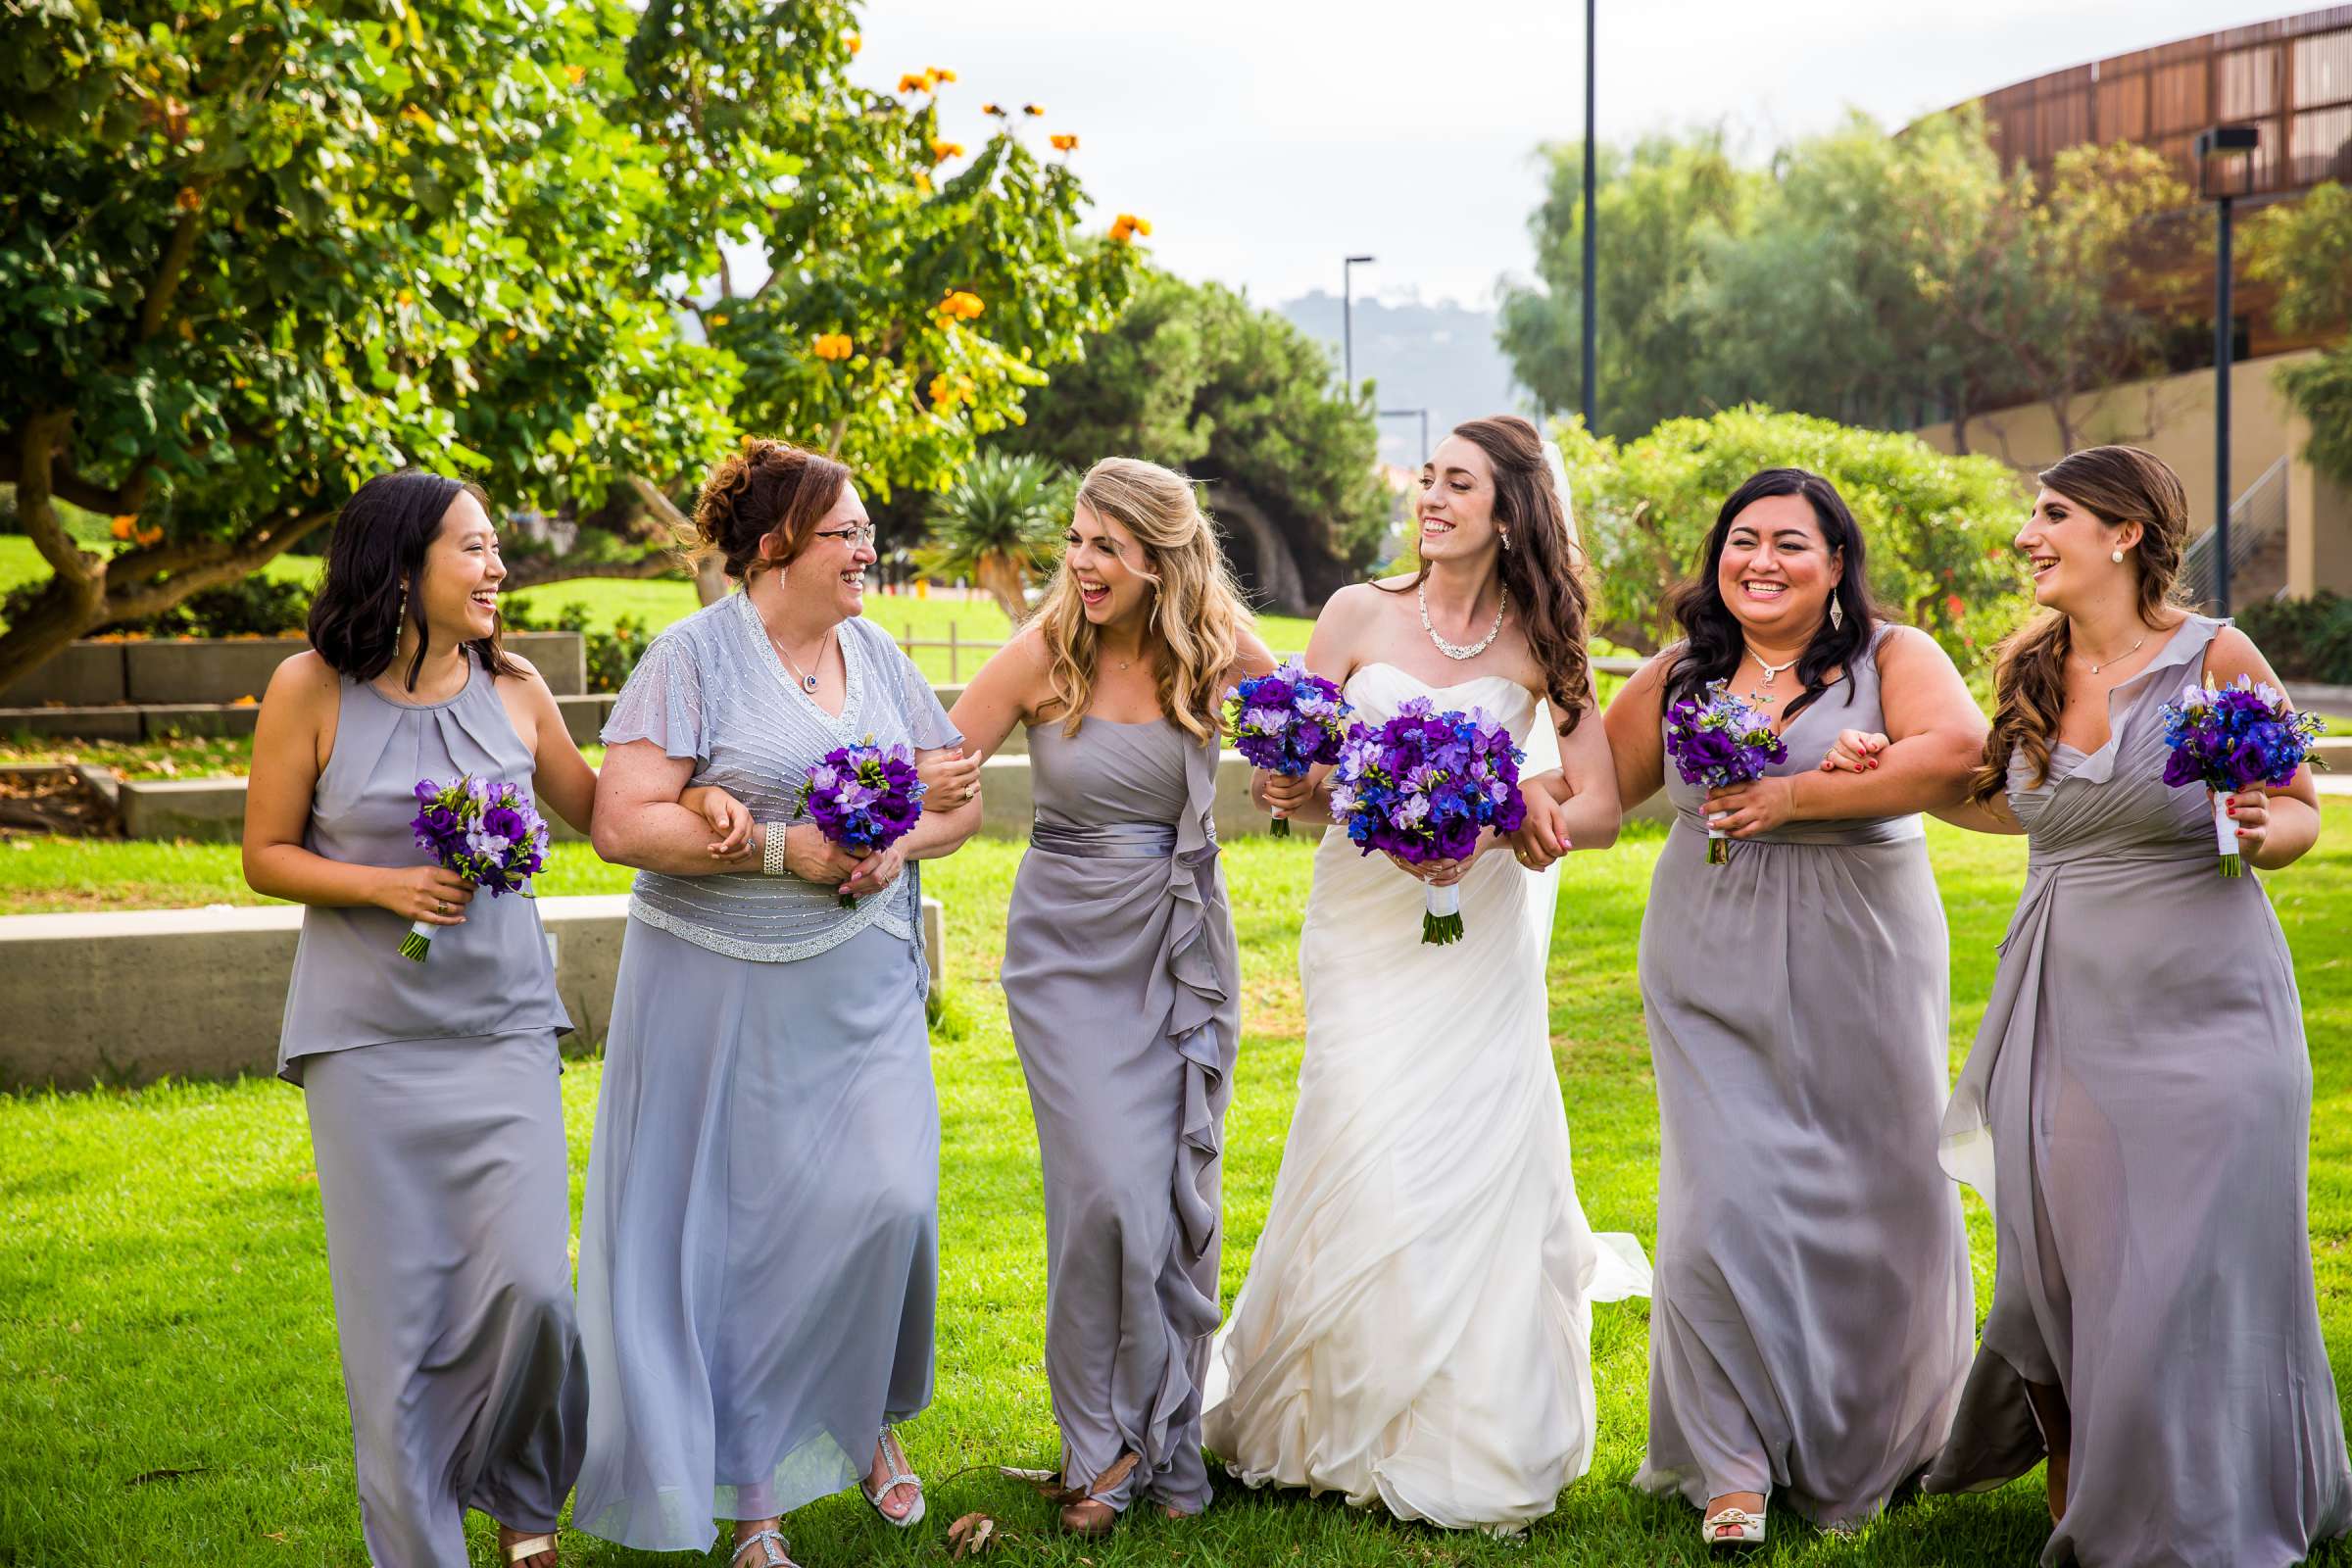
x=1506 y=538
x=1836 y=614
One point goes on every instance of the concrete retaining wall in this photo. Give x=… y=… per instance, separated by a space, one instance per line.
x=206 y=673
x=128 y=998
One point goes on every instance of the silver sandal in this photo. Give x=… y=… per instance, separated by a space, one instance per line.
x=531 y=1547
x=776 y=1550
x=894 y=1453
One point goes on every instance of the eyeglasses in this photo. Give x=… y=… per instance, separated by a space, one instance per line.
x=857 y=537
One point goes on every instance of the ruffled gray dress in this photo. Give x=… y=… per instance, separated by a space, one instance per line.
x=2137 y=1112
x=1121 y=978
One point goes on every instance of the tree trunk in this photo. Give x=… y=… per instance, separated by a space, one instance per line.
x=709 y=571
x=1000 y=577
x=1279 y=585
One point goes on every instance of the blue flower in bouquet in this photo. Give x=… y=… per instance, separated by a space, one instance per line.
x=1286 y=721
x=1422 y=787
x=864 y=798
x=2232 y=738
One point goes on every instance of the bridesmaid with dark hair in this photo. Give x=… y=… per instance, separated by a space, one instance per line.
x=431 y=1089
x=1812 y=1299
x=2137 y=1108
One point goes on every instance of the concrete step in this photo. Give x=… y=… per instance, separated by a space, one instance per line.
x=129 y=996
x=584 y=715
x=206 y=671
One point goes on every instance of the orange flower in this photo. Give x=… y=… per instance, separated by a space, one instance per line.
x=939 y=73
x=854 y=41
x=914 y=83
x=576 y=74
x=1955 y=607
x=832 y=346
x=1126 y=226
x=943 y=394
x=962 y=305
x=150 y=536
x=1064 y=143
x=717 y=318
x=942 y=150
x=189 y=199
x=922 y=182
x=996 y=110
x=1032 y=110
x=124 y=527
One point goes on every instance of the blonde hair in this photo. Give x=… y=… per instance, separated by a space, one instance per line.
x=1197 y=614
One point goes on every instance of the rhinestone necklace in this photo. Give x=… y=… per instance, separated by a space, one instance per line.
x=1454 y=650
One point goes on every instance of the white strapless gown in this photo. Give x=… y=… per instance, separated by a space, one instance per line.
x=1415 y=1328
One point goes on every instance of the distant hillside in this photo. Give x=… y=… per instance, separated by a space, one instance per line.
x=1438 y=357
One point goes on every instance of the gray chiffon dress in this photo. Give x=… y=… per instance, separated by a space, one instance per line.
x=1812 y=1306
x=2137 y=1113
x=1121 y=978
x=438 y=1134
x=760 y=1243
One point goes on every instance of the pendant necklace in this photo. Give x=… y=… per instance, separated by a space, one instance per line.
x=1455 y=651
x=808 y=682
x=1770 y=671
x=2126 y=653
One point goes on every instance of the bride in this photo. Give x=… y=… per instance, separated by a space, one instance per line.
x=1415 y=1324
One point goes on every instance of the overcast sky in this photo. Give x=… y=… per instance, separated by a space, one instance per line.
x=1264 y=139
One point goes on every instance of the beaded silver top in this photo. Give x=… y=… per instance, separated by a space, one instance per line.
x=712 y=688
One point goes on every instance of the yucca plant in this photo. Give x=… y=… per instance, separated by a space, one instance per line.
x=997 y=524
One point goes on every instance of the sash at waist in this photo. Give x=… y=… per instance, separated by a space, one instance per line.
x=1115 y=841
x=1845 y=833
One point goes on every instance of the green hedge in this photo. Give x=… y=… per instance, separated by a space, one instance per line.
x=2304 y=639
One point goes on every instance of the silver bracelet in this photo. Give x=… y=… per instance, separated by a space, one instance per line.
x=771 y=849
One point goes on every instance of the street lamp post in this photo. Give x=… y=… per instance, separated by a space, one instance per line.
x=2218 y=142
x=1348 y=318
x=1591 y=251
x=1407 y=413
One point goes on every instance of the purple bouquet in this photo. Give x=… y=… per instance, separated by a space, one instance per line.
x=2232 y=739
x=1716 y=741
x=1422 y=787
x=487 y=831
x=864 y=798
x=1287 y=723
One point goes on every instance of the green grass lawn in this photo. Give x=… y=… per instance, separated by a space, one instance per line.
x=167 y=1373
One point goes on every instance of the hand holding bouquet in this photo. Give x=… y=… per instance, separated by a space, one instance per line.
x=485 y=830
x=1717 y=741
x=1287 y=723
x=2233 y=738
x=862 y=797
x=1422 y=787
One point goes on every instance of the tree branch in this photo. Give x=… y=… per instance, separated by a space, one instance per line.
x=38 y=443
x=240 y=560
x=176 y=254
x=66 y=485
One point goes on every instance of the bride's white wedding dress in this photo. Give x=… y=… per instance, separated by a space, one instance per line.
x=1414 y=1330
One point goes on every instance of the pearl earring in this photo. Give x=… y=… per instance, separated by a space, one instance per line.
x=2115 y=556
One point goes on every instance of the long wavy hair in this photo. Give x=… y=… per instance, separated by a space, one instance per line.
x=373 y=560
x=1712 y=641
x=1197 y=615
x=2115 y=485
x=1543 y=569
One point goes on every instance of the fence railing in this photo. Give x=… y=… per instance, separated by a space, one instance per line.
x=2256 y=519
x=957 y=646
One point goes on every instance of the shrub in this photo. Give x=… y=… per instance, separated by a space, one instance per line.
x=2304 y=639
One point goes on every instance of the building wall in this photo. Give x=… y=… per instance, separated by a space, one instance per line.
x=2173 y=418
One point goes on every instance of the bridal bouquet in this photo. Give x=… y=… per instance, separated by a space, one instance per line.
x=1716 y=741
x=1422 y=787
x=487 y=831
x=864 y=798
x=1287 y=723
x=2230 y=739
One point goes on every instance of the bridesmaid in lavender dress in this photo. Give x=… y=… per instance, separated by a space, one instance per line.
x=1813 y=1304
x=430 y=1087
x=1121 y=975
x=2137 y=1108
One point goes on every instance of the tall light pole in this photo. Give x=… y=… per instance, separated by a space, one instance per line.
x=1407 y=413
x=2218 y=142
x=1592 y=250
x=1348 y=318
